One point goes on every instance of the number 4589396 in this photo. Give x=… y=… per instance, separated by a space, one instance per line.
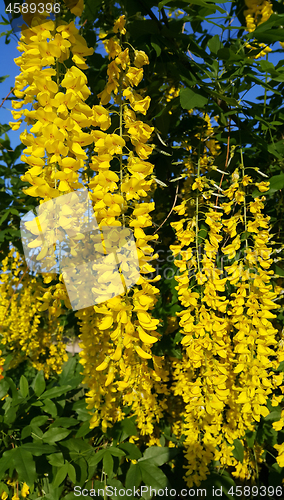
x=32 y=8
x=254 y=491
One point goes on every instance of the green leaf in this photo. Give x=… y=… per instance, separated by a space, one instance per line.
x=281 y=367
x=157 y=48
x=108 y=463
x=268 y=37
x=214 y=44
x=6 y=461
x=238 y=451
x=83 y=430
x=56 y=459
x=80 y=408
x=60 y=475
x=55 y=392
x=223 y=97
x=4 y=216
x=39 y=383
x=82 y=470
x=64 y=422
x=40 y=420
x=4 y=129
x=250 y=438
x=10 y=416
x=97 y=457
x=55 y=434
x=131 y=450
x=133 y=477
x=38 y=449
x=190 y=99
x=277 y=147
x=25 y=466
x=26 y=431
x=36 y=433
x=3 y=486
x=128 y=428
x=24 y=386
x=77 y=445
x=159 y=455
x=274 y=415
x=116 y=452
x=276 y=183
x=275 y=475
x=279 y=271
x=49 y=407
x=68 y=371
x=72 y=473
x=4 y=388
x=266 y=66
x=202 y=3
x=152 y=475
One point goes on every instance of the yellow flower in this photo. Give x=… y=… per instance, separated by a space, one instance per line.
x=101 y=117
x=139 y=132
x=112 y=48
x=25 y=490
x=199 y=183
x=119 y=25
x=123 y=59
x=140 y=104
x=143 y=150
x=280 y=457
x=263 y=186
x=134 y=75
x=246 y=180
x=140 y=58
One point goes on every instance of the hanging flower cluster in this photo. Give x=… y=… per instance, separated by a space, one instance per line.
x=54 y=144
x=20 y=314
x=230 y=345
x=117 y=335
x=194 y=176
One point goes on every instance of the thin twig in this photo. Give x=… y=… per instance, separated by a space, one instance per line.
x=188 y=51
x=7 y=97
x=175 y=200
x=227 y=160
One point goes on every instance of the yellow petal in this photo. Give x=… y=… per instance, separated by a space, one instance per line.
x=117 y=354
x=103 y=365
x=110 y=376
x=144 y=337
x=141 y=353
x=239 y=368
x=63 y=186
x=35 y=170
x=106 y=322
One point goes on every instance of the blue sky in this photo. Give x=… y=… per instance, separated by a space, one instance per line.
x=9 y=53
x=8 y=67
